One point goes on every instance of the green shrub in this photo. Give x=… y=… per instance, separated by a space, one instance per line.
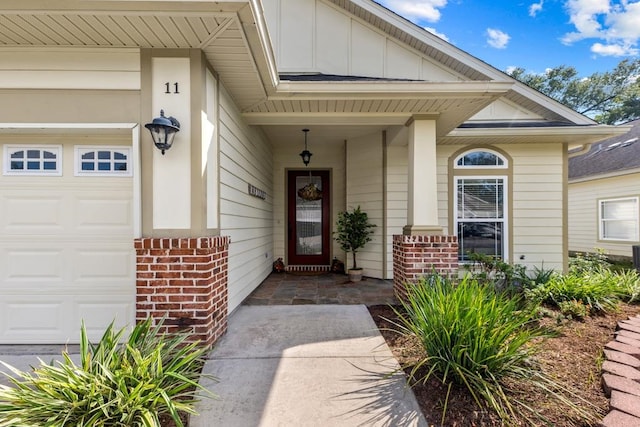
x=628 y=283
x=599 y=290
x=116 y=384
x=574 y=309
x=588 y=262
x=474 y=337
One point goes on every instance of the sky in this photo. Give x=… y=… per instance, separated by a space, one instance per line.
x=590 y=35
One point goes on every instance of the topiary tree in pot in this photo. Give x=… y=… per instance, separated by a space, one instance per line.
x=353 y=231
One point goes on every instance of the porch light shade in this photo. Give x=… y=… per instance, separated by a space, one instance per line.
x=306 y=157
x=306 y=154
x=163 y=130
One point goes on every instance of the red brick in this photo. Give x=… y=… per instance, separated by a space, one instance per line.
x=624 y=332
x=620 y=419
x=629 y=326
x=627 y=340
x=624 y=348
x=621 y=370
x=627 y=403
x=614 y=382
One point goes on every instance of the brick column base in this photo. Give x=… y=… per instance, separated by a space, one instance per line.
x=184 y=280
x=417 y=256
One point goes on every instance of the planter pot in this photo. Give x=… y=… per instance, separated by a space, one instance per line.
x=355 y=275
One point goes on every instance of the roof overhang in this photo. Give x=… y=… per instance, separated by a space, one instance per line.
x=232 y=34
x=379 y=103
x=573 y=135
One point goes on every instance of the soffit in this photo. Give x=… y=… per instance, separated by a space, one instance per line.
x=226 y=32
x=380 y=103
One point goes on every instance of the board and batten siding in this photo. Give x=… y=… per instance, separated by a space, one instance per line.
x=326 y=156
x=70 y=68
x=365 y=176
x=317 y=36
x=245 y=158
x=584 y=197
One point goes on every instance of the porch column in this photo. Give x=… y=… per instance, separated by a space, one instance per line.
x=422 y=249
x=422 y=206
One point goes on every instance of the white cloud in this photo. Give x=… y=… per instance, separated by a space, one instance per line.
x=497 y=38
x=428 y=10
x=616 y=23
x=535 y=8
x=613 y=50
x=436 y=33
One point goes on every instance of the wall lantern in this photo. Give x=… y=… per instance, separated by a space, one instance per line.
x=306 y=154
x=163 y=130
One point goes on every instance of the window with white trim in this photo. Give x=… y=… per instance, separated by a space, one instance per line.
x=618 y=219
x=33 y=160
x=480 y=205
x=102 y=161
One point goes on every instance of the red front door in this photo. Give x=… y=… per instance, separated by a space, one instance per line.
x=309 y=217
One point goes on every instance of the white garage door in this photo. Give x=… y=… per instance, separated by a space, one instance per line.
x=66 y=240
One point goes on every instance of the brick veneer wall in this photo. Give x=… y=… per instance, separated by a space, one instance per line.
x=416 y=256
x=184 y=280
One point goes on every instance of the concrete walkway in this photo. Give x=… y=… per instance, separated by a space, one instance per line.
x=308 y=365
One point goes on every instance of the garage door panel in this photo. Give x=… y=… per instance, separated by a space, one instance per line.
x=58 y=318
x=33 y=318
x=66 y=253
x=103 y=216
x=104 y=265
x=33 y=264
x=25 y=215
x=96 y=314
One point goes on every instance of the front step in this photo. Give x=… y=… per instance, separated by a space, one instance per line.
x=308 y=268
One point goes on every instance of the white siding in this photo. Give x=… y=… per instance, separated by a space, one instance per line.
x=583 y=212
x=395 y=198
x=537 y=204
x=317 y=36
x=325 y=156
x=70 y=68
x=365 y=176
x=245 y=158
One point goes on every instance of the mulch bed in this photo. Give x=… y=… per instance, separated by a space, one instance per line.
x=573 y=359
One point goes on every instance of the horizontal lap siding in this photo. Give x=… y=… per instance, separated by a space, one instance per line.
x=396 y=198
x=245 y=158
x=365 y=188
x=537 y=185
x=536 y=204
x=583 y=212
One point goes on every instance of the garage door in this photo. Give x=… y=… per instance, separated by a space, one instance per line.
x=66 y=240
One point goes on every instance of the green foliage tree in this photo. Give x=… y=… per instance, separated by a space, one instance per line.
x=610 y=97
x=353 y=231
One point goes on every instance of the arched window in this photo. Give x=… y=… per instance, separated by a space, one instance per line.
x=480 y=201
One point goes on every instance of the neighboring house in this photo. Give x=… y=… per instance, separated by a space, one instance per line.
x=604 y=189
x=444 y=152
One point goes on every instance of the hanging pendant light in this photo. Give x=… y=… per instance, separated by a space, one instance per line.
x=306 y=154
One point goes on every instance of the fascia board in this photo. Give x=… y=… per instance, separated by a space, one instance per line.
x=552 y=105
x=599 y=176
x=389 y=90
x=589 y=133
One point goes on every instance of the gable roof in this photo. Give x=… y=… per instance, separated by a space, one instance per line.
x=614 y=155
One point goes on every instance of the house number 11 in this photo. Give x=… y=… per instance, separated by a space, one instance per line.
x=167 y=86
